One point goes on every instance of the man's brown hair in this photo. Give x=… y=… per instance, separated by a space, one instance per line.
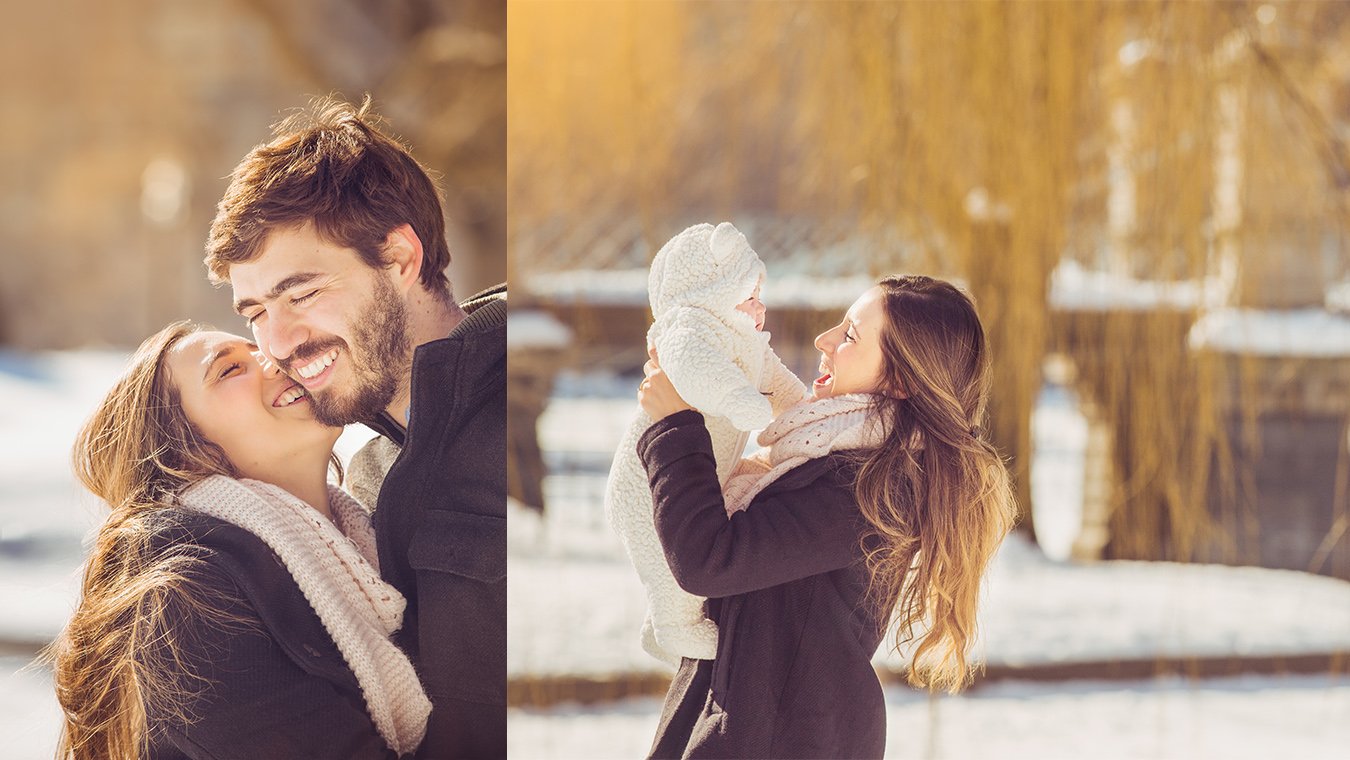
x=332 y=167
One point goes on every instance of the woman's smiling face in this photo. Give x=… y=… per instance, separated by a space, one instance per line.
x=850 y=352
x=255 y=413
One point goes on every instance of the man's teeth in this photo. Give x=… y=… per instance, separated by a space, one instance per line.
x=318 y=365
x=291 y=396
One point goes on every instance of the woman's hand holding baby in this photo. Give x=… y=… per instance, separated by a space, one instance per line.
x=656 y=394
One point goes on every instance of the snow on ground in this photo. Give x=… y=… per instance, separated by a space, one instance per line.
x=1260 y=718
x=1284 y=332
x=628 y=287
x=535 y=329
x=1074 y=287
x=568 y=569
x=30 y=718
x=44 y=513
x=1338 y=297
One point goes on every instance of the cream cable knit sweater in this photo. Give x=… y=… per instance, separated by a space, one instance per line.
x=724 y=368
x=339 y=575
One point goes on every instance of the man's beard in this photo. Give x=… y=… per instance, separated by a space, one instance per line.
x=379 y=361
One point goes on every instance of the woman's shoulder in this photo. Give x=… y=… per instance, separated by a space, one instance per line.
x=222 y=552
x=836 y=471
x=178 y=527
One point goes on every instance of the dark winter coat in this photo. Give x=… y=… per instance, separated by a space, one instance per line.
x=786 y=585
x=440 y=523
x=273 y=684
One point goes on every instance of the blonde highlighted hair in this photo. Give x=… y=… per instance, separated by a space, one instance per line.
x=136 y=452
x=936 y=494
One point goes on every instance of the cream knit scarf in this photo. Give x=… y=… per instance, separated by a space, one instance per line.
x=809 y=430
x=339 y=575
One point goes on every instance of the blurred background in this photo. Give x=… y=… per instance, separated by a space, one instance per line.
x=119 y=126
x=1148 y=201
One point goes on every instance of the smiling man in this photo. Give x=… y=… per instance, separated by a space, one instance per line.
x=333 y=240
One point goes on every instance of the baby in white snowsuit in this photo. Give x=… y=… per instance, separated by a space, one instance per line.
x=719 y=360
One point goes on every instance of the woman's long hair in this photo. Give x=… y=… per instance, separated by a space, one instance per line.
x=936 y=494
x=137 y=451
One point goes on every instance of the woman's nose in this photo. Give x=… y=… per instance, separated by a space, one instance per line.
x=820 y=341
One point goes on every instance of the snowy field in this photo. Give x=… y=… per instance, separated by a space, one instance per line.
x=568 y=569
x=29 y=715
x=1304 y=717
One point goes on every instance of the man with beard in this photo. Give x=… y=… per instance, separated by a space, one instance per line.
x=332 y=238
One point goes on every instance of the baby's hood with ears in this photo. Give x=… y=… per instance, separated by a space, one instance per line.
x=706 y=267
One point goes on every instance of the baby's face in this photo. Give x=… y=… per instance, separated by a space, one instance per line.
x=754 y=308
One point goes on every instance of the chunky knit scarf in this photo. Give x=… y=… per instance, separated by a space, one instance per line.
x=809 y=430
x=339 y=575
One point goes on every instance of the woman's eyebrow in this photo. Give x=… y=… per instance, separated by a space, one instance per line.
x=221 y=353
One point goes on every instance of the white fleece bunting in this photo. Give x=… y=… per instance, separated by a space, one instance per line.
x=339 y=576
x=724 y=367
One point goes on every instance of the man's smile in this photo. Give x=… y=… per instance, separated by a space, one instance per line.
x=317 y=372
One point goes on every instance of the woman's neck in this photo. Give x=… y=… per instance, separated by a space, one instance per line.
x=307 y=482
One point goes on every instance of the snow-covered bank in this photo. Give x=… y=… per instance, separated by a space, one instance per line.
x=1288 y=332
x=575 y=604
x=30 y=718
x=1166 y=719
x=44 y=513
x=1036 y=611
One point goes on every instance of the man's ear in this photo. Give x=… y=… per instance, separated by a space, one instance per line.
x=403 y=252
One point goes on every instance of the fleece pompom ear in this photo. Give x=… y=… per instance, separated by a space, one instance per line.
x=674 y=255
x=727 y=242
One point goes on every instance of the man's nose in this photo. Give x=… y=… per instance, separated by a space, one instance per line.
x=279 y=338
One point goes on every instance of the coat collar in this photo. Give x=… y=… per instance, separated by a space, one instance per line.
x=467 y=357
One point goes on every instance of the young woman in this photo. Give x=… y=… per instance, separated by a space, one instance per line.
x=232 y=604
x=879 y=497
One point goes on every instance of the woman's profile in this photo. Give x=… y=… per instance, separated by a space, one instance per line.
x=878 y=500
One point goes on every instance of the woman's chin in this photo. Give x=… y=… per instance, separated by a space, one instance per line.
x=309 y=433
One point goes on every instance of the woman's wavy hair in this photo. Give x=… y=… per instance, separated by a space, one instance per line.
x=936 y=493
x=136 y=452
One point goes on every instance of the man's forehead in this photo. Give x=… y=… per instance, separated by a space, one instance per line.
x=285 y=252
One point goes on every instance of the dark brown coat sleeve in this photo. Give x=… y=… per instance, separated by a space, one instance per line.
x=801 y=527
